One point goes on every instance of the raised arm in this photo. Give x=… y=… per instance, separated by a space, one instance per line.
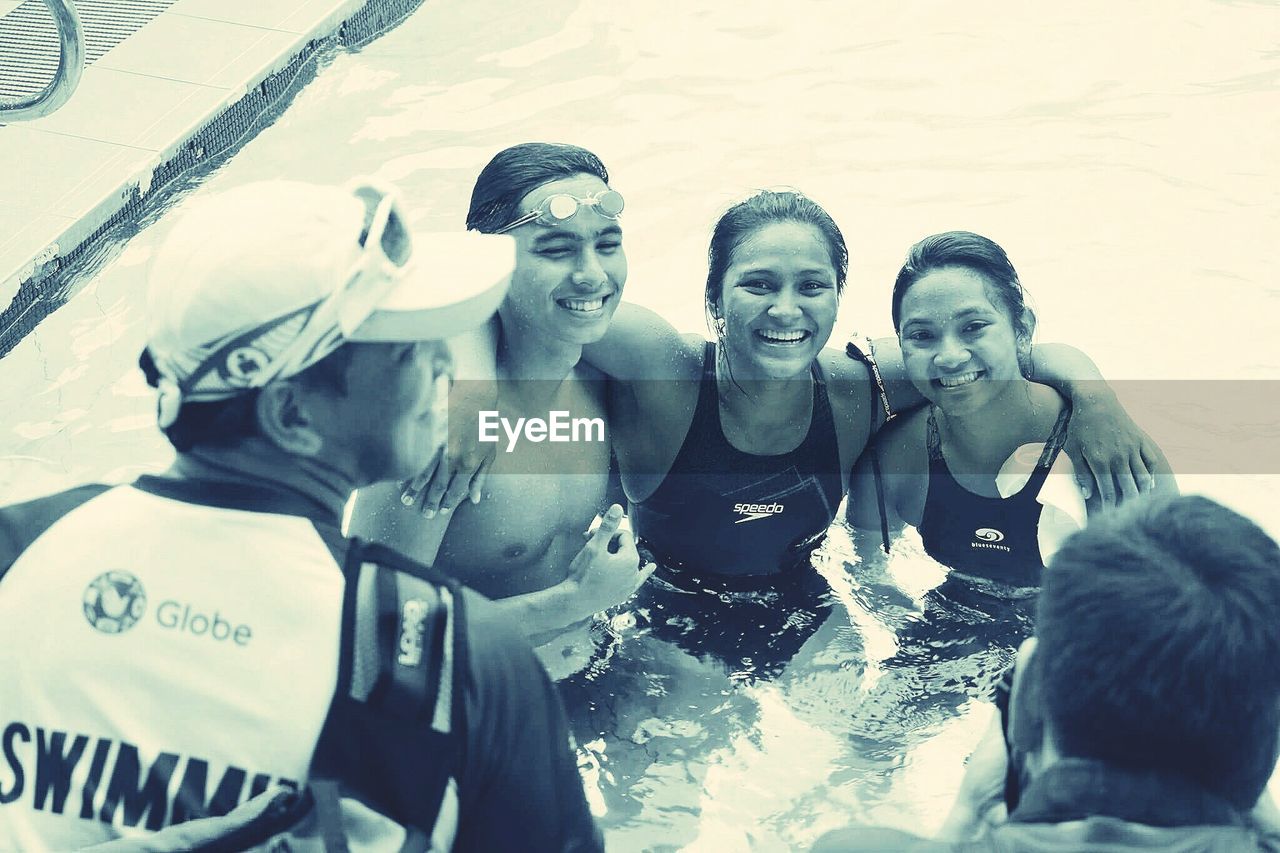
x=1109 y=450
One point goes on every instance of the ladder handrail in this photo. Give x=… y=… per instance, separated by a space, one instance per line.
x=64 y=82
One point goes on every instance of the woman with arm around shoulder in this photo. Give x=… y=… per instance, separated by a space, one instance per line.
x=733 y=452
x=965 y=333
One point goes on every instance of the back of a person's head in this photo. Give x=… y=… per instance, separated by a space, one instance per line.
x=1159 y=645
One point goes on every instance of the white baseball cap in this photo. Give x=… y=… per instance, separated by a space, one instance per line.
x=264 y=280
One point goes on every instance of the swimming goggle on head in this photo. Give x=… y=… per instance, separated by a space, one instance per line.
x=561 y=207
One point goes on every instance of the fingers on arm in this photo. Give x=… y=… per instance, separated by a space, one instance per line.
x=481 y=477
x=414 y=488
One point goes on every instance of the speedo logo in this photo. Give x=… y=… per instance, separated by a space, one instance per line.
x=754 y=512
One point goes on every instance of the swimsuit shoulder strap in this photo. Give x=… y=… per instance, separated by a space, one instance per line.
x=1057 y=438
x=932 y=439
x=706 y=413
x=1053 y=444
x=709 y=361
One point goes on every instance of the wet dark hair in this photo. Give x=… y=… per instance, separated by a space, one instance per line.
x=226 y=423
x=768 y=207
x=1159 y=641
x=979 y=254
x=516 y=171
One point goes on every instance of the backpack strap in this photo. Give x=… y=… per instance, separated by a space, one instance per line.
x=394 y=734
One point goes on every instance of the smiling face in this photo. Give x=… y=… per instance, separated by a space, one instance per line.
x=960 y=346
x=568 y=277
x=778 y=301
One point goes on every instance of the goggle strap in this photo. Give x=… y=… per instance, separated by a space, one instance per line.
x=221 y=349
x=578 y=204
x=528 y=217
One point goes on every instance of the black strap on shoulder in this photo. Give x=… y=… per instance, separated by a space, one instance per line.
x=879 y=395
x=879 y=398
x=1057 y=437
x=884 y=519
x=393 y=737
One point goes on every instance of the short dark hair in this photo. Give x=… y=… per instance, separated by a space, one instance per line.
x=978 y=254
x=516 y=171
x=769 y=207
x=1159 y=641
x=226 y=423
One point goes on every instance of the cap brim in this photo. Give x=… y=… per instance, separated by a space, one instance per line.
x=454 y=283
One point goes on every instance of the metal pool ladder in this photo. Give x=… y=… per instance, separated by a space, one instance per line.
x=67 y=77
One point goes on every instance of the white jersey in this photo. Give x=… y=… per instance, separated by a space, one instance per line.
x=170 y=649
x=175 y=687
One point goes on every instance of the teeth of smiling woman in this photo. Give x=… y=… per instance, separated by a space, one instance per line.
x=583 y=304
x=783 y=337
x=962 y=379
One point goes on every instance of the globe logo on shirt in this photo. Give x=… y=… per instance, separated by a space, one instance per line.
x=988 y=534
x=114 y=602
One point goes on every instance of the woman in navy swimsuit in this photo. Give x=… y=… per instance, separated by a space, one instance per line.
x=965 y=333
x=734 y=453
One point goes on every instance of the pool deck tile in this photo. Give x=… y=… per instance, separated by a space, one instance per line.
x=196 y=50
x=139 y=110
x=326 y=22
x=55 y=167
x=269 y=14
x=137 y=105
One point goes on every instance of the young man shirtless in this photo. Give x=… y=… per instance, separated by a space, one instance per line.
x=523 y=545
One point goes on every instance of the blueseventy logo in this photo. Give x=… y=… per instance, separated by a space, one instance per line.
x=989 y=538
x=114 y=601
x=755 y=512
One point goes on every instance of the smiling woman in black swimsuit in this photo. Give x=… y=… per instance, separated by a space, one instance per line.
x=734 y=452
x=965 y=332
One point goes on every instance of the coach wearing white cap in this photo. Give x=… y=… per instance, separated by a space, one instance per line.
x=174 y=647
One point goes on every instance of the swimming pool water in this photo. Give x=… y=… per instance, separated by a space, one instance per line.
x=1125 y=159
